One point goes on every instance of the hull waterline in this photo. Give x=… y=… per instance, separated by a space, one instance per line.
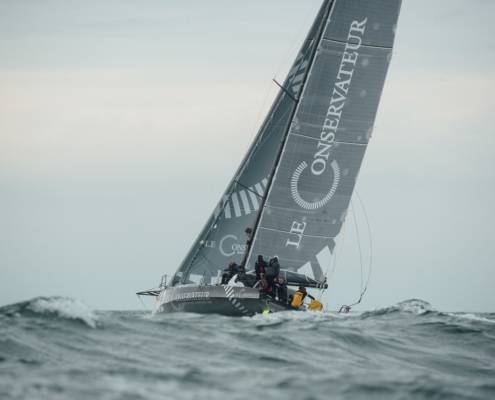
x=219 y=299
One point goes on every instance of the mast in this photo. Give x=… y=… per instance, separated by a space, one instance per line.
x=326 y=6
x=293 y=187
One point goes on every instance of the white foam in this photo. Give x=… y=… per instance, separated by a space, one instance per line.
x=65 y=307
x=415 y=306
x=284 y=316
x=472 y=317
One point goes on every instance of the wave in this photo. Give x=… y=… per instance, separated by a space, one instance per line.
x=71 y=309
x=453 y=322
x=405 y=350
x=472 y=317
x=65 y=308
x=410 y=306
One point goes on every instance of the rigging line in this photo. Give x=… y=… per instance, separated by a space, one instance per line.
x=286 y=56
x=359 y=246
x=338 y=250
x=285 y=91
x=260 y=136
x=338 y=253
x=370 y=241
x=363 y=292
x=260 y=112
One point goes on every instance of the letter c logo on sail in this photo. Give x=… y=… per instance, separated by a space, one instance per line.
x=234 y=248
x=296 y=196
x=222 y=250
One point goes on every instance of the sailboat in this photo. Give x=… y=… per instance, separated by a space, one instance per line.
x=290 y=194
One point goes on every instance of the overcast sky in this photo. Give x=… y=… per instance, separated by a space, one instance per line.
x=121 y=122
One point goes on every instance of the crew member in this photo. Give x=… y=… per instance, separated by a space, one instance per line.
x=260 y=268
x=230 y=271
x=272 y=271
x=281 y=289
x=298 y=297
x=276 y=266
x=242 y=276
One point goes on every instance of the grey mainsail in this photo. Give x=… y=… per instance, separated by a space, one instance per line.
x=309 y=193
x=223 y=239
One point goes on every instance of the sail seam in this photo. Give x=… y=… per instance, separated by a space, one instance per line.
x=337 y=141
x=351 y=143
x=279 y=208
x=362 y=44
x=305 y=235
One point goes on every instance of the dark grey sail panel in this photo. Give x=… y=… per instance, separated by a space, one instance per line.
x=299 y=194
x=273 y=243
x=382 y=16
x=320 y=108
x=223 y=238
x=310 y=193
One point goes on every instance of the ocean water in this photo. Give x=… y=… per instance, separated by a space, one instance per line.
x=57 y=348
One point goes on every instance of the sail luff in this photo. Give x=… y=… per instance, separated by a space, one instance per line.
x=325 y=10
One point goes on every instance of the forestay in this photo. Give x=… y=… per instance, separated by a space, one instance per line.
x=315 y=176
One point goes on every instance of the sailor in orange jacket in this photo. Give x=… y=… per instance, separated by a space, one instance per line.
x=298 y=297
x=298 y=300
